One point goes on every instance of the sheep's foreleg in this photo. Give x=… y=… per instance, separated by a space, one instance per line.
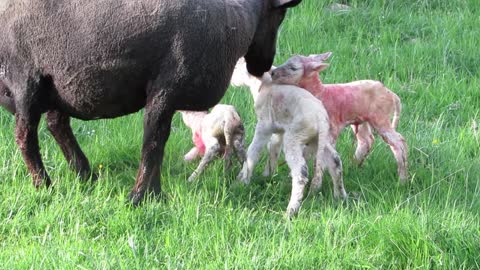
x=157 y=124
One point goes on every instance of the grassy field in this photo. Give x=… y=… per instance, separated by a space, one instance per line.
x=427 y=51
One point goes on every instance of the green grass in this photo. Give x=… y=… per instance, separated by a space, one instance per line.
x=424 y=50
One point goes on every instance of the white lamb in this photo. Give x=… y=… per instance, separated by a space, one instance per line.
x=219 y=132
x=302 y=120
x=241 y=77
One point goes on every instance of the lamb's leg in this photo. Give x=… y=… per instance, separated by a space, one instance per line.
x=399 y=148
x=239 y=146
x=335 y=130
x=59 y=126
x=232 y=127
x=192 y=154
x=27 y=117
x=212 y=148
x=334 y=165
x=365 y=141
x=227 y=157
x=274 y=148
x=299 y=173
x=320 y=166
x=260 y=139
x=157 y=123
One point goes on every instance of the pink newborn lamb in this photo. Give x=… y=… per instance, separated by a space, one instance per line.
x=219 y=132
x=362 y=104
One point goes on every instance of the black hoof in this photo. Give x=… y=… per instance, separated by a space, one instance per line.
x=37 y=183
x=93 y=177
x=136 y=198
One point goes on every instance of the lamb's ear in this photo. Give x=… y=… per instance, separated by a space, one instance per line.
x=285 y=3
x=314 y=68
x=320 y=57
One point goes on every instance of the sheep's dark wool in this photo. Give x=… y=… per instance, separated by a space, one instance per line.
x=94 y=59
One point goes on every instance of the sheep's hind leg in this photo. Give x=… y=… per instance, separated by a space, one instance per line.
x=59 y=126
x=27 y=117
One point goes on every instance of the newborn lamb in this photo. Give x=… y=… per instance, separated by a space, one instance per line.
x=219 y=132
x=302 y=120
x=362 y=104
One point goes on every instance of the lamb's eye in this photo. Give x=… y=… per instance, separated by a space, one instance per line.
x=293 y=68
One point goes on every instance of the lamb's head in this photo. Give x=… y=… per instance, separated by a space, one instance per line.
x=299 y=67
x=261 y=51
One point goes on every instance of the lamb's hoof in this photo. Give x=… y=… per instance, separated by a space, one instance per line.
x=356 y=196
x=342 y=195
x=243 y=178
x=358 y=162
x=404 y=180
x=291 y=213
x=191 y=178
x=313 y=192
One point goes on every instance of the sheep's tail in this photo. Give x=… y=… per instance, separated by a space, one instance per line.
x=397 y=110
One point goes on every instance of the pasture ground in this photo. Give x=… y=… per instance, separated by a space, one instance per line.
x=427 y=51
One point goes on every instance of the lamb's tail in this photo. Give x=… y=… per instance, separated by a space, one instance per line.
x=397 y=110
x=233 y=126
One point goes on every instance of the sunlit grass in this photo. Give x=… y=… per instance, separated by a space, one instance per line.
x=424 y=50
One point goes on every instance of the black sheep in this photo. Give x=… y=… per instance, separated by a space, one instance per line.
x=92 y=59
